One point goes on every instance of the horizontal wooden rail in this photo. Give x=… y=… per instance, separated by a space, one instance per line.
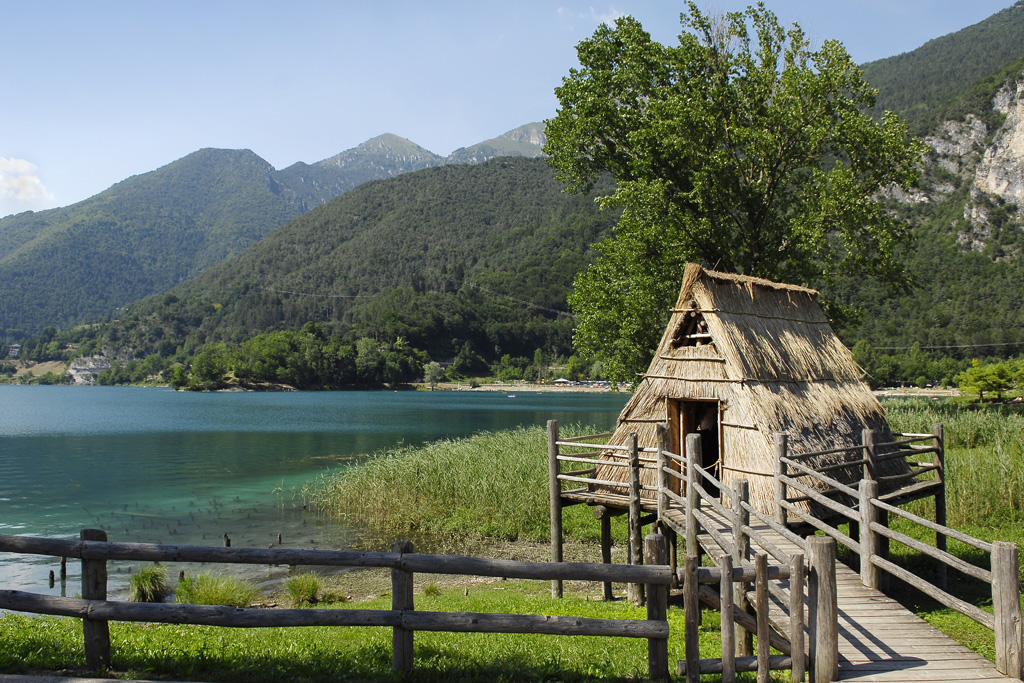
x=833 y=483
x=820 y=498
x=951 y=601
x=572 y=440
x=940 y=528
x=940 y=555
x=234 y=617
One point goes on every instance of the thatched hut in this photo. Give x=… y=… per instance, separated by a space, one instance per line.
x=742 y=359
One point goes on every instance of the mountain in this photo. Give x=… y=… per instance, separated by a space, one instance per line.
x=525 y=141
x=479 y=253
x=152 y=231
x=919 y=85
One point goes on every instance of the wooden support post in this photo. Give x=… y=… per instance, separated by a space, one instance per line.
x=869 y=573
x=693 y=447
x=606 y=549
x=401 y=599
x=635 y=591
x=823 y=620
x=781 y=450
x=656 y=552
x=763 y=626
x=555 y=493
x=664 y=479
x=94 y=587
x=691 y=618
x=741 y=552
x=868 y=439
x=728 y=631
x=1006 y=609
x=796 y=617
x=941 y=578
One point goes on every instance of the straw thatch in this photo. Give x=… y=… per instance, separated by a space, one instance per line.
x=766 y=359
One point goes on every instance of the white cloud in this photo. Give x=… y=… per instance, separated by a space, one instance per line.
x=18 y=181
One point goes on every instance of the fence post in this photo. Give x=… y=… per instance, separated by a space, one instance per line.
x=823 y=620
x=868 y=439
x=94 y=587
x=869 y=573
x=796 y=616
x=401 y=600
x=763 y=626
x=693 y=447
x=664 y=481
x=728 y=630
x=555 y=492
x=940 y=499
x=656 y=551
x=1006 y=608
x=691 y=617
x=781 y=449
x=635 y=591
x=741 y=552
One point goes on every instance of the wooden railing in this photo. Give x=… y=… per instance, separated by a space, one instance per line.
x=96 y=611
x=867 y=514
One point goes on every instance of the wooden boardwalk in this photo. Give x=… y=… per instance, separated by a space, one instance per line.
x=879 y=639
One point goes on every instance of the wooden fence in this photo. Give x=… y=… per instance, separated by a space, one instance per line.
x=96 y=611
x=867 y=512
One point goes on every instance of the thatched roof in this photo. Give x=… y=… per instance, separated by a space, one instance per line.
x=766 y=353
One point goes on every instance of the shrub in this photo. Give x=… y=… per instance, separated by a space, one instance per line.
x=149 y=584
x=208 y=589
x=304 y=589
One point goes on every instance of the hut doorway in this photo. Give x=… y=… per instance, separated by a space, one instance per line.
x=687 y=416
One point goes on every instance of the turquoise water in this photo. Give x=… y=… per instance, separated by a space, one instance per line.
x=158 y=466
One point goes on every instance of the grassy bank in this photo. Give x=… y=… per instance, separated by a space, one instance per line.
x=492 y=485
x=356 y=653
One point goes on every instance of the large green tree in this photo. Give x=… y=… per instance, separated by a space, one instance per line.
x=741 y=148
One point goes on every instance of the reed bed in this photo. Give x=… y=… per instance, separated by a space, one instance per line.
x=984 y=457
x=493 y=484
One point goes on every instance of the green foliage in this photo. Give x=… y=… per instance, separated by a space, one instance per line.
x=304 y=589
x=149 y=584
x=491 y=484
x=935 y=80
x=212 y=589
x=992 y=377
x=740 y=148
x=432 y=373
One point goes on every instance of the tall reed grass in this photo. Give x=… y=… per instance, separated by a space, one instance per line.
x=494 y=485
x=984 y=456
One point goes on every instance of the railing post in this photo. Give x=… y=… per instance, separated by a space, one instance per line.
x=664 y=480
x=401 y=600
x=940 y=500
x=1006 y=609
x=741 y=552
x=823 y=620
x=656 y=552
x=763 y=626
x=728 y=630
x=781 y=449
x=691 y=618
x=555 y=493
x=635 y=591
x=796 y=616
x=693 y=447
x=868 y=439
x=869 y=573
x=94 y=587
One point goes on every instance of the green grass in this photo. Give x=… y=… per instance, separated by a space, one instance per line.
x=149 y=584
x=213 y=589
x=304 y=589
x=360 y=653
x=492 y=485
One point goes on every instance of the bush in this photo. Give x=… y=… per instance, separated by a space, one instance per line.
x=304 y=589
x=207 y=589
x=149 y=584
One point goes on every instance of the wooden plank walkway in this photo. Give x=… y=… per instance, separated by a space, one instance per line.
x=879 y=639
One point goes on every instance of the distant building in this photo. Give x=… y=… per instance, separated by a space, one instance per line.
x=14 y=351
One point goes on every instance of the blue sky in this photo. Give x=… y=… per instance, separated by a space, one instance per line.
x=94 y=92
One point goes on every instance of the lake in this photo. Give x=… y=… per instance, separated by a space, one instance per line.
x=159 y=466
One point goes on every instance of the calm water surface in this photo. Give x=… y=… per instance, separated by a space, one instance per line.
x=158 y=466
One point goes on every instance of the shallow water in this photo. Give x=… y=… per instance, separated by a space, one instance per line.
x=158 y=466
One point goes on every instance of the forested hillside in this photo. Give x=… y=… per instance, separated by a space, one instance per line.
x=480 y=254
